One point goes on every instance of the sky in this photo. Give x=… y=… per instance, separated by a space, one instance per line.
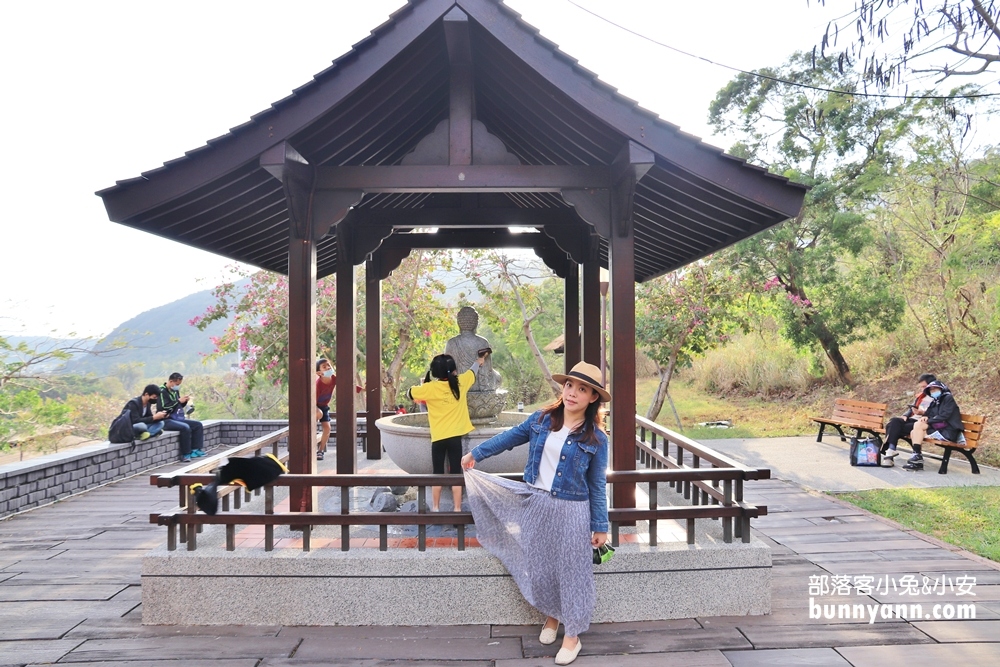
x=101 y=91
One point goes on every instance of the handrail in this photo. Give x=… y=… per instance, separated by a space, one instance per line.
x=170 y=479
x=718 y=494
x=686 y=443
x=728 y=509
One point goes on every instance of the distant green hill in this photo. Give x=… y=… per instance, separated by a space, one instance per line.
x=162 y=340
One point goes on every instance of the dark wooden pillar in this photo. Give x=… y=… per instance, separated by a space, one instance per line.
x=301 y=367
x=347 y=425
x=592 y=308
x=629 y=166
x=373 y=354
x=571 y=320
x=622 y=376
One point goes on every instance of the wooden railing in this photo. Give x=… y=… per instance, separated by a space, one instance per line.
x=657 y=448
x=204 y=465
x=712 y=481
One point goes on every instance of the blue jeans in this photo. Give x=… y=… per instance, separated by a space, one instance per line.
x=139 y=428
x=191 y=433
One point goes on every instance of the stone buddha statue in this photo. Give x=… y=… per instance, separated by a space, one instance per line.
x=485 y=397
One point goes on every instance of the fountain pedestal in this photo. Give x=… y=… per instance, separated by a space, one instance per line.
x=407 y=441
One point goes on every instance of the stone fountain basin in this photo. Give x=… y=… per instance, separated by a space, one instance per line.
x=407 y=441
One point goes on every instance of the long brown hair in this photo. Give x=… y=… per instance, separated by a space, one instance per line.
x=593 y=418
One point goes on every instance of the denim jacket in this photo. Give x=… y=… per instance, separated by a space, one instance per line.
x=580 y=475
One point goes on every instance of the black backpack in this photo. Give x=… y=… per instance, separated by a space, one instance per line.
x=121 y=431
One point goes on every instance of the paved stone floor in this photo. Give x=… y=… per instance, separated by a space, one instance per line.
x=69 y=593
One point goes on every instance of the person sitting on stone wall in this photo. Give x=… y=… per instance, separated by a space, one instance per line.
x=191 y=433
x=147 y=421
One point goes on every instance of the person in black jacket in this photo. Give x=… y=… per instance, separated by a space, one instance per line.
x=902 y=427
x=190 y=432
x=942 y=420
x=147 y=420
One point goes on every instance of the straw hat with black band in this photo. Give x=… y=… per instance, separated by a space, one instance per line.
x=587 y=374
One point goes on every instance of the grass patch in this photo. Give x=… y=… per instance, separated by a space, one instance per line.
x=751 y=417
x=966 y=516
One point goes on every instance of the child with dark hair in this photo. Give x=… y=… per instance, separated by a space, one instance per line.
x=326 y=382
x=448 y=414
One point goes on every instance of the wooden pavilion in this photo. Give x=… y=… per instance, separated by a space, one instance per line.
x=454 y=114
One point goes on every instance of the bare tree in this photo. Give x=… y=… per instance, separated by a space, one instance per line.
x=942 y=38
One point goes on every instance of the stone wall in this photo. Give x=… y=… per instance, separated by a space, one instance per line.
x=45 y=479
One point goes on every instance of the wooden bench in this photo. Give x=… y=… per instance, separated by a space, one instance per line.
x=862 y=416
x=973 y=429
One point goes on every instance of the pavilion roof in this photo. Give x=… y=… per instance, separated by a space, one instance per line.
x=377 y=101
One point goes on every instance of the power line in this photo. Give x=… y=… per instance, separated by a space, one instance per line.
x=778 y=79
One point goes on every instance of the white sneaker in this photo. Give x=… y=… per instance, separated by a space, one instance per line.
x=891 y=454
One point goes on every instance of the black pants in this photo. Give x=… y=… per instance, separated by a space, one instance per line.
x=191 y=433
x=450 y=447
x=898 y=428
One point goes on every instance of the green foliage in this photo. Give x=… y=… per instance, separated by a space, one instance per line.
x=224 y=397
x=682 y=315
x=686 y=313
x=828 y=287
x=753 y=364
x=413 y=323
x=521 y=311
x=938 y=226
x=23 y=407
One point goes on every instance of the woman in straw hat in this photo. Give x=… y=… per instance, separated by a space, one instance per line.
x=544 y=529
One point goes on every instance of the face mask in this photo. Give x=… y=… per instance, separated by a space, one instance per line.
x=935 y=394
x=328 y=373
x=175 y=387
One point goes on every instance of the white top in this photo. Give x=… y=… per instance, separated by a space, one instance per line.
x=550 y=458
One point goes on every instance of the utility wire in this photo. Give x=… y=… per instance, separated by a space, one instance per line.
x=779 y=79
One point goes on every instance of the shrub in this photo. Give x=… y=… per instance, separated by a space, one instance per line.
x=760 y=364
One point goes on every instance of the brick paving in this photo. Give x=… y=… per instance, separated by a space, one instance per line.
x=69 y=593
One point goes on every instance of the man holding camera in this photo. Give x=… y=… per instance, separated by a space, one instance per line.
x=191 y=433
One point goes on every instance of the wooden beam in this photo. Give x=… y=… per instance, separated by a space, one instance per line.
x=623 y=116
x=313 y=212
x=366 y=240
x=471 y=178
x=555 y=258
x=347 y=426
x=629 y=167
x=301 y=366
x=310 y=104
x=390 y=259
x=571 y=318
x=456 y=32
x=591 y=306
x=473 y=218
x=593 y=206
x=467 y=238
x=373 y=355
x=570 y=240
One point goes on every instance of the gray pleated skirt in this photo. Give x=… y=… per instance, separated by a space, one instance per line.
x=543 y=541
